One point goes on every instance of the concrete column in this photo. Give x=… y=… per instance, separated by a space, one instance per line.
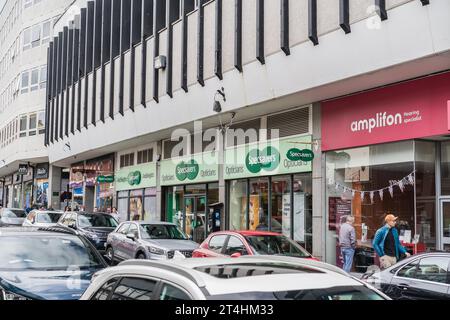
x=54 y=187
x=222 y=182
x=159 y=195
x=318 y=175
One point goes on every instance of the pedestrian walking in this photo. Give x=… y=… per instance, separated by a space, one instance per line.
x=347 y=243
x=387 y=243
x=115 y=214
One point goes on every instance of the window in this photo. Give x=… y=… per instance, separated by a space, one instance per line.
x=216 y=243
x=134 y=230
x=145 y=156
x=41 y=123
x=34 y=80
x=26 y=39
x=409 y=271
x=105 y=290
x=46 y=32
x=36 y=36
x=23 y=126
x=235 y=246
x=25 y=81
x=43 y=77
x=32 y=125
x=127 y=160
x=124 y=228
x=433 y=269
x=170 y=293
x=134 y=289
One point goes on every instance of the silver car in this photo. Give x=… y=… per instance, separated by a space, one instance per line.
x=12 y=217
x=148 y=240
x=37 y=218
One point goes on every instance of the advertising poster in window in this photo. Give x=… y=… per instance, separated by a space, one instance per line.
x=254 y=212
x=299 y=217
x=286 y=220
x=338 y=208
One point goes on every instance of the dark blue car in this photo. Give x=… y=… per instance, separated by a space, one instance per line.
x=46 y=264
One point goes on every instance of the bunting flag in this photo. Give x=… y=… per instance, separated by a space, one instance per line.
x=401 y=184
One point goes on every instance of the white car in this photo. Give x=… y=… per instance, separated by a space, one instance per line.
x=38 y=218
x=245 y=278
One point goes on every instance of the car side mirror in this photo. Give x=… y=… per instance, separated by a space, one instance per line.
x=236 y=255
x=131 y=236
x=72 y=226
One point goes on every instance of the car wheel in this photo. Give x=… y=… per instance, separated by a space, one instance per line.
x=141 y=256
x=110 y=255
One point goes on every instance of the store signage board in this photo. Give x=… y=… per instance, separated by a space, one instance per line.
x=136 y=177
x=200 y=168
x=23 y=169
x=283 y=156
x=415 y=109
x=105 y=179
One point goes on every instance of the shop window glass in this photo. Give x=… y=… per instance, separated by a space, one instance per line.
x=136 y=208
x=302 y=190
x=445 y=168
x=259 y=204
x=281 y=205
x=174 y=206
x=150 y=209
x=426 y=195
x=365 y=170
x=122 y=208
x=238 y=198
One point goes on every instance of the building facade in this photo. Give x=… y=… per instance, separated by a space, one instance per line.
x=26 y=27
x=202 y=104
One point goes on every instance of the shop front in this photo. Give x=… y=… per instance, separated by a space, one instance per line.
x=136 y=193
x=269 y=187
x=7 y=191
x=41 y=185
x=92 y=183
x=190 y=187
x=17 y=201
x=388 y=151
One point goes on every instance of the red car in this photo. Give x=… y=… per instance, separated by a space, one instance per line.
x=249 y=243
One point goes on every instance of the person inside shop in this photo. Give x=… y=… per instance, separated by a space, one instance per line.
x=387 y=243
x=347 y=242
x=115 y=214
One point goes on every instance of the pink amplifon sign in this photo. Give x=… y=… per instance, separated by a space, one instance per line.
x=414 y=109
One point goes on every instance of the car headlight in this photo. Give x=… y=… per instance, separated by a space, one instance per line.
x=157 y=251
x=6 y=295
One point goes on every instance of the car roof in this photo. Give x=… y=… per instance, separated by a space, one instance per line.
x=13 y=209
x=31 y=231
x=150 y=222
x=418 y=256
x=247 y=233
x=315 y=274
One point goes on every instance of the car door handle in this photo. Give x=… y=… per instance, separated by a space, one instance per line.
x=403 y=286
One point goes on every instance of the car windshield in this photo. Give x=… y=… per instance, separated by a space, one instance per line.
x=48 y=217
x=162 y=232
x=12 y=213
x=337 y=293
x=46 y=252
x=276 y=245
x=96 y=221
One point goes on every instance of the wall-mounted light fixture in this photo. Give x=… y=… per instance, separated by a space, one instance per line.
x=160 y=62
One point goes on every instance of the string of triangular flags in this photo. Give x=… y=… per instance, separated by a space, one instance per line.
x=401 y=184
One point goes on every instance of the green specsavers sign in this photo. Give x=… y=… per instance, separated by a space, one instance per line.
x=284 y=156
x=199 y=168
x=137 y=177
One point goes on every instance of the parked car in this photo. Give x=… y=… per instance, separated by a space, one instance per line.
x=12 y=217
x=37 y=218
x=148 y=240
x=245 y=278
x=421 y=277
x=249 y=243
x=45 y=264
x=94 y=226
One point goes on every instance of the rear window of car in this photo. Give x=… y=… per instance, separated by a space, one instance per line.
x=350 y=293
x=243 y=270
x=12 y=213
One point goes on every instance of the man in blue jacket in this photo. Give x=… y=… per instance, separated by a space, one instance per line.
x=387 y=243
